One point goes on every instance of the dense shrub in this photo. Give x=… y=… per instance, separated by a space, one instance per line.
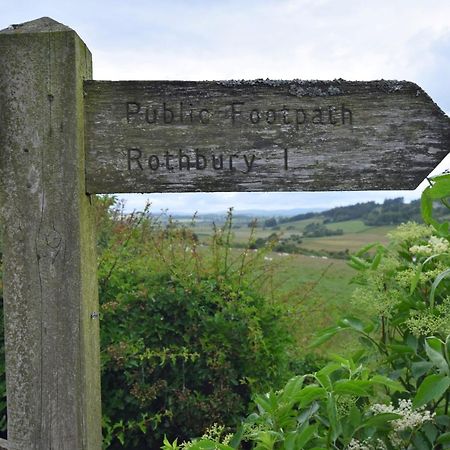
x=185 y=335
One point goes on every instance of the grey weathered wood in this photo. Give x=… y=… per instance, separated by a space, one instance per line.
x=50 y=288
x=338 y=135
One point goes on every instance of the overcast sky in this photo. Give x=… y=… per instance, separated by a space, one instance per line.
x=280 y=39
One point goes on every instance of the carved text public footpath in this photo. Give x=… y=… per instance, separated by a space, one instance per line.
x=235 y=114
x=262 y=135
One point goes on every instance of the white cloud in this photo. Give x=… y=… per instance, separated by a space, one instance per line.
x=211 y=39
x=278 y=39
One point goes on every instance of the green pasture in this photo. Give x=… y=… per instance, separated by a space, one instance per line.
x=348 y=241
x=316 y=290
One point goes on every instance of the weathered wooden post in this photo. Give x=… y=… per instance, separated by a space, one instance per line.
x=50 y=284
x=155 y=136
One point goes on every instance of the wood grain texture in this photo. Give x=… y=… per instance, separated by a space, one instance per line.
x=272 y=136
x=50 y=284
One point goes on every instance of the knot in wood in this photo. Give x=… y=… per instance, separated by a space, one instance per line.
x=49 y=242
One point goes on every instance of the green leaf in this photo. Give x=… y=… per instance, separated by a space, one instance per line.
x=329 y=369
x=376 y=260
x=237 y=437
x=415 y=280
x=355 y=417
x=169 y=446
x=335 y=425
x=420 y=443
x=324 y=336
x=296 y=440
x=434 y=348
x=289 y=441
x=344 y=362
x=426 y=206
x=305 y=436
x=352 y=387
x=292 y=389
x=420 y=368
x=439 y=190
x=447 y=348
x=412 y=342
x=266 y=440
x=121 y=437
x=306 y=414
x=264 y=403
x=443 y=421
x=443 y=228
x=436 y=283
x=431 y=432
x=380 y=420
x=142 y=426
x=352 y=322
x=207 y=444
x=399 y=348
x=311 y=393
x=432 y=388
x=443 y=439
x=368 y=247
x=440 y=176
x=323 y=375
x=393 y=385
x=358 y=263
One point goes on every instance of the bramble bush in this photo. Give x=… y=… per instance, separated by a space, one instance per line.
x=394 y=392
x=186 y=337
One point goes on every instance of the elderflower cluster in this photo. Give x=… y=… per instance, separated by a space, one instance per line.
x=431 y=320
x=405 y=277
x=345 y=404
x=410 y=232
x=214 y=432
x=435 y=245
x=410 y=418
x=357 y=445
x=376 y=301
x=377 y=296
x=367 y=444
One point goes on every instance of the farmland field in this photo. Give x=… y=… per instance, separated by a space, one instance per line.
x=316 y=290
x=351 y=241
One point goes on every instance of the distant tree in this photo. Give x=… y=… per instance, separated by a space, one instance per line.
x=316 y=229
x=272 y=222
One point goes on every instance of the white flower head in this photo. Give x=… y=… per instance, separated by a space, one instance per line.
x=411 y=418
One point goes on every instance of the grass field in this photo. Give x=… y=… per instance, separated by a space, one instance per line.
x=316 y=290
x=352 y=241
x=355 y=236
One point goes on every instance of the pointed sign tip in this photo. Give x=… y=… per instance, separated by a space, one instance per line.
x=42 y=25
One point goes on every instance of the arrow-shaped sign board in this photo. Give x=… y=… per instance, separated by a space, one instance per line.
x=262 y=135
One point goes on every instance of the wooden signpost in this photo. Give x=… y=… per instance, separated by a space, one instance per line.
x=260 y=136
x=63 y=138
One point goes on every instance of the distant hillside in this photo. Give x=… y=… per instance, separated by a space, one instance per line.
x=390 y=212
